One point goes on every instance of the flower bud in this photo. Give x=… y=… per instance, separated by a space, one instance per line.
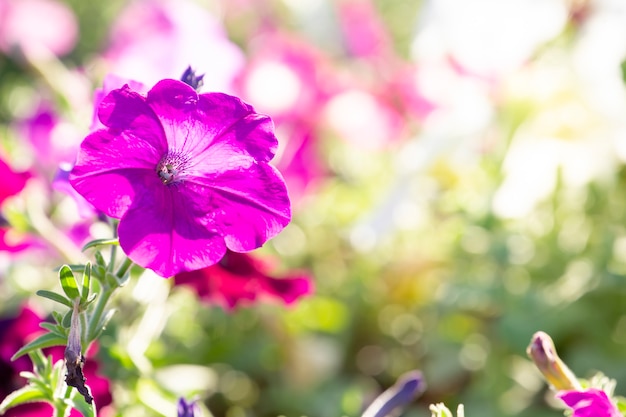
x=192 y=79
x=543 y=353
x=406 y=388
x=187 y=408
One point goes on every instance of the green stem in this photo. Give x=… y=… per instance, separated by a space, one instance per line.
x=112 y=259
x=124 y=268
x=113 y=224
x=60 y=406
x=96 y=316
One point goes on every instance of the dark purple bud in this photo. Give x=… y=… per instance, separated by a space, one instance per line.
x=191 y=78
x=74 y=359
x=188 y=408
x=405 y=390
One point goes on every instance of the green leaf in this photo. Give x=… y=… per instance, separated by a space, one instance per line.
x=73 y=267
x=67 y=320
x=90 y=299
x=101 y=242
x=53 y=328
x=99 y=272
x=38 y=384
x=68 y=282
x=43 y=341
x=86 y=283
x=81 y=405
x=100 y=259
x=54 y=297
x=58 y=317
x=27 y=394
x=38 y=359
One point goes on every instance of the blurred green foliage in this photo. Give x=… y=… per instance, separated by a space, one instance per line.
x=457 y=292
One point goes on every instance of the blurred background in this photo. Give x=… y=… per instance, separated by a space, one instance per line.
x=457 y=176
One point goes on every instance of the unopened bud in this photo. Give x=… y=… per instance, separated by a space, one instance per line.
x=406 y=388
x=192 y=79
x=543 y=353
x=187 y=408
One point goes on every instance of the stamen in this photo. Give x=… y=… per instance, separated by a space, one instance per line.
x=171 y=168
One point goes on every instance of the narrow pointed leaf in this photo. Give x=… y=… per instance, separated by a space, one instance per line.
x=99 y=259
x=91 y=298
x=38 y=359
x=27 y=394
x=53 y=328
x=58 y=317
x=73 y=267
x=81 y=405
x=54 y=297
x=43 y=341
x=68 y=282
x=67 y=320
x=100 y=242
x=86 y=283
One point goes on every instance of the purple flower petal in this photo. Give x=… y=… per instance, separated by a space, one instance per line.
x=165 y=231
x=250 y=204
x=186 y=174
x=199 y=124
x=589 y=403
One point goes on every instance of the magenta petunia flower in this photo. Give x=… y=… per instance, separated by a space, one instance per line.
x=187 y=174
x=241 y=278
x=589 y=403
x=12 y=184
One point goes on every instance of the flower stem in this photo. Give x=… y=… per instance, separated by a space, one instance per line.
x=96 y=316
x=107 y=292
x=124 y=268
x=112 y=259
x=113 y=224
x=60 y=407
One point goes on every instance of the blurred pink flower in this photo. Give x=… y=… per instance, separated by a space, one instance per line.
x=364 y=32
x=156 y=39
x=286 y=77
x=240 y=278
x=12 y=183
x=53 y=141
x=404 y=91
x=20 y=329
x=37 y=27
x=364 y=117
x=299 y=159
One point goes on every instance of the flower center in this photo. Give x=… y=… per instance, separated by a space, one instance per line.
x=171 y=168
